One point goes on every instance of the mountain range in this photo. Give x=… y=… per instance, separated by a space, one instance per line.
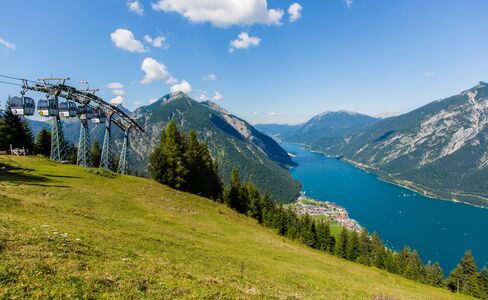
x=439 y=149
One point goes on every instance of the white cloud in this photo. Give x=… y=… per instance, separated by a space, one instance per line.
x=6 y=44
x=210 y=77
x=184 y=86
x=157 y=42
x=244 y=41
x=223 y=13
x=295 y=12
x=155 y=71
x=117 y=100
x=217 y=96
x=118 y=92
x=152 y=100
x=136 y=7
x=115 y=85
x=125 y=40
x=273 y=114
x=137 y=103
x=349 y=2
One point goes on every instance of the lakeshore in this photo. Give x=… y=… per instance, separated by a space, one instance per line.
x=329 y=210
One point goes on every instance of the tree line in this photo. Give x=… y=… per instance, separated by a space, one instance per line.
x=182 y=162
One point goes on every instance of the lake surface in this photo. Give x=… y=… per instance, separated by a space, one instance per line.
x=440 y=230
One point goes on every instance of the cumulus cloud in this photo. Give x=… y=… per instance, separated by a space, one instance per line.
x=203 y=96
x=349 y=2
x=183 y=86
x=157 y=42
x=155 y=71
x=6 y=44
x=115 y=85
x=210 y=77
x=136 y=7
x=125 y=40
x=118 y=92
x=295 y=12
x=244 y=41
x=223 y=13
x=117 y=100
x=217 y=96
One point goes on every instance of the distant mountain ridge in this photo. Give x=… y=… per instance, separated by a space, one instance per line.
x=232 y=142
x=326 y=125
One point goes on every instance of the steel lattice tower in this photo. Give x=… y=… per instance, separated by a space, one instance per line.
x=124 y=154
x=105 y=159
x=83 y=158
x=58 y=148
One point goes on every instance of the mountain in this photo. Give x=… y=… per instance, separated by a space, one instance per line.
x=74 y=233
x=324 y=126
x=232 y=142
x=440 y=148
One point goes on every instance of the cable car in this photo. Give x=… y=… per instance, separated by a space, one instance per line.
x=99 y=117
x=67 y=109
x=22 y=106
x=47 y=108
x=85 y=113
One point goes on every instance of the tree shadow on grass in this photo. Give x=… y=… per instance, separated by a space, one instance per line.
x=20 y=175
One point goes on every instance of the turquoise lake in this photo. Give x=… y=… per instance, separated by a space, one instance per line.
x=440 y=230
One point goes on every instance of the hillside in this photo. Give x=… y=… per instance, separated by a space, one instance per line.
x=327 y=125
x=439 y=148
x=232 y=142
x=67 y=232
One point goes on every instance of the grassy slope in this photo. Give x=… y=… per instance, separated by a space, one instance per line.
x=140 y=239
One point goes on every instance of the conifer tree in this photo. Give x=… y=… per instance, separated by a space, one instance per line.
x=483 y=282
x=96 y=153
x=15 y=131
x=341 y=246
x=459 y=277
x=323 y=233
x=43 y=143
x=234 y=195
x=434 y=275
x=365 y=248
x=254 y=209
x=353 y=246
x=308 y=231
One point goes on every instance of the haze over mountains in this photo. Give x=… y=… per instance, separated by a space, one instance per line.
x=439 y=148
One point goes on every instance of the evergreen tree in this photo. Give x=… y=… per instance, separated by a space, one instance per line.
x=341 y=246
x=434 y=274
x=365 y=248
x=463 y=271
x=43 y=143
x=308 y=232
x=167 y=164
x=254 y=209
x=377 y=251
x=96 y=153
x=15 y=131
x=483 y=282
x=353 y=246
x=234 y=196
x=323 y=236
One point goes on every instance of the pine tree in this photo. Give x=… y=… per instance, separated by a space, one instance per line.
x=323 y=236
x=458 y=279
x=15 y=131
x=341 y=246
x=377 y=251
x=43 y=143
x=434 y=274
x=254 y=209
x=365 y=248
x=483 y=282
x=234 y=195
x=353 y=246
x=96 y=153
x=308 y=232
x=167 y=164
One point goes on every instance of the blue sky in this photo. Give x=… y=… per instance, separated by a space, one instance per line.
x=369 y=56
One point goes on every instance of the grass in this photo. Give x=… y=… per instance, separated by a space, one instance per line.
x=68 y=232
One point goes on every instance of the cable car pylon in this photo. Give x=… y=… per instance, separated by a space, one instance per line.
x=105 y=158
x=124 y=153
x=58 y=148
x=83 y=156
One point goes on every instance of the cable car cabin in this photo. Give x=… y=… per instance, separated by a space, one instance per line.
x=47 y=108
x=85 y=113
x=99 y=117
x=67 y=109
x=22 y=106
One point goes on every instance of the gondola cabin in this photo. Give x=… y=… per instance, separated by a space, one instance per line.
x=47 y=108
x=67 y=109
x=99 y=117
x=85 y=113
x=22 y=106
